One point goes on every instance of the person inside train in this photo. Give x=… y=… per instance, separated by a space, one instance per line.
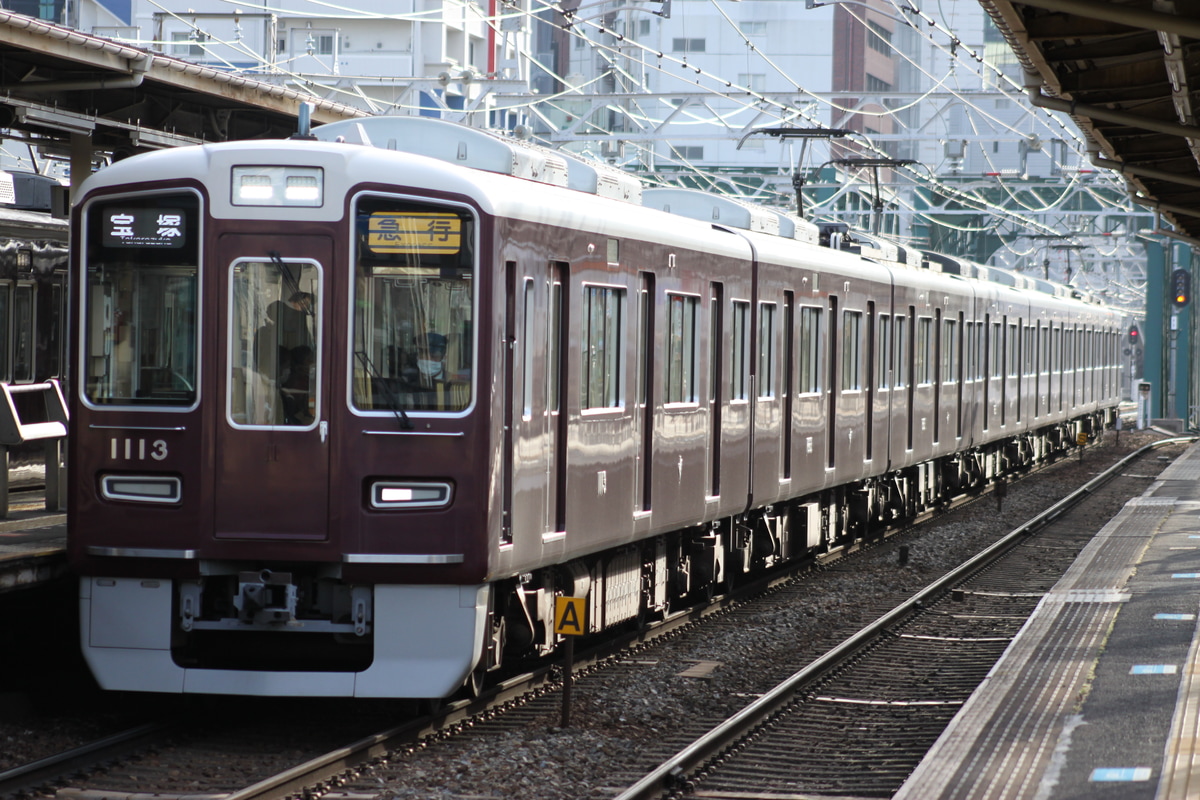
x=294 y=388
x=424 y=376
x=293 y=321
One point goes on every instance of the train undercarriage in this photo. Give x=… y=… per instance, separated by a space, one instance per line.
x=686 y=567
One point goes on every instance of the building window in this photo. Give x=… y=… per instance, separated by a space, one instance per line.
x=879 y=38
x=688 y=152
x=754 y=81
x=877 y=84
x=680 y=45
x=188 y=43
x=306 y=41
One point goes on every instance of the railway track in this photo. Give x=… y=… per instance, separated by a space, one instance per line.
x=859 y=720
x=240 y=762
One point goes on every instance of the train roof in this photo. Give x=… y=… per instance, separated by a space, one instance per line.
x=433 y=141
x=721 y=210
x=493 y=152
x=485 y=150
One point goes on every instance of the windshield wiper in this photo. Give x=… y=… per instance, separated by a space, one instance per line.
x=397 y=409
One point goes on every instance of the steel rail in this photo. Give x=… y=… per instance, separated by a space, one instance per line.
x=23 y=779
x=670 y=775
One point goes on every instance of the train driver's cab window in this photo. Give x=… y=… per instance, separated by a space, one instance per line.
x=276 y=342
x=414 y=307
x=140 y=320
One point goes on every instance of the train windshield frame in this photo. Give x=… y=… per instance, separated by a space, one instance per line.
x=414 y=301
x=140 y=301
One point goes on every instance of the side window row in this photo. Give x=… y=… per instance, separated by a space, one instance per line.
x=871 y=348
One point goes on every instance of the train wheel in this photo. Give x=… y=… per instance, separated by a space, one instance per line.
x=475 y=681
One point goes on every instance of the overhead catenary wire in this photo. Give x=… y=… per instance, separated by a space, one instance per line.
x=745 y=99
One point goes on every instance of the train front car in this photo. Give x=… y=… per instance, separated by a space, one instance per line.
x=281 y=442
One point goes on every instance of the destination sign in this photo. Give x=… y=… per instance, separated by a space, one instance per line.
x=144 y=227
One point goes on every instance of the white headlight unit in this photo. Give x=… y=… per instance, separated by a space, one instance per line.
x=278 y=186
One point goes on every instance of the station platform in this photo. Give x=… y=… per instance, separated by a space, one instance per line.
x=1098 y=696
x=33 y=545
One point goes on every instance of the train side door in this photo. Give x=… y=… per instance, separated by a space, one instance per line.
x=534 y=485
x=272 y=450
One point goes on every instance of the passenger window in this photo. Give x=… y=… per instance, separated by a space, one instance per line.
x=683 y=315
x=950 y=351
x=884 y=359
x=766 y=350
x=923 y=365
x=740 y=366
x=851 y=351
x=603 y=346
x=809 y=368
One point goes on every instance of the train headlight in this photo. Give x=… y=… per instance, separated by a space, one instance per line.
x=278 y=186
x=142 y=488
x=401 y=495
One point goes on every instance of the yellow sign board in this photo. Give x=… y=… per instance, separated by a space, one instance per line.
x=569 y=616
x=1081 y=438
x=413 y=232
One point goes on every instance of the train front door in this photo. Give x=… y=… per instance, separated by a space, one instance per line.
x=272 y=444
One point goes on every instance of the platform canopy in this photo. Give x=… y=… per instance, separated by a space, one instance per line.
x=1129 y=75
x=56 y=82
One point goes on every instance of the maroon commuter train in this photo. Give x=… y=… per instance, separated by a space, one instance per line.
x=351 y=413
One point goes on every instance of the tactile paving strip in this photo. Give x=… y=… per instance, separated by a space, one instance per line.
x=1181 y=770
x=1182 y=469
